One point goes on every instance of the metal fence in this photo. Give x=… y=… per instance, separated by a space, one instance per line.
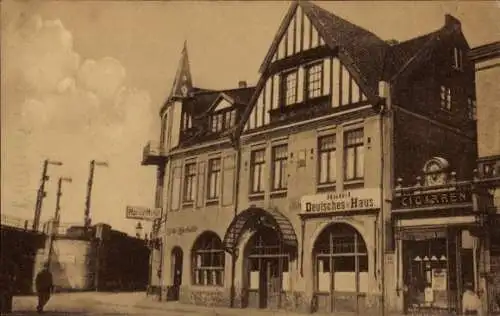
x=16 y=222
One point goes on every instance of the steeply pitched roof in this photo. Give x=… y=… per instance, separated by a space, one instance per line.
x=364 y=50
x=199 y=106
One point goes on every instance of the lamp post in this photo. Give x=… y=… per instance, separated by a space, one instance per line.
x=55 y=222
x=93 y=163
x=41 y=191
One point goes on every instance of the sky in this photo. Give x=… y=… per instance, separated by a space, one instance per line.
x=85 y=80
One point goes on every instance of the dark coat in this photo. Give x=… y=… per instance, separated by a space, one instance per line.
x=44 y=281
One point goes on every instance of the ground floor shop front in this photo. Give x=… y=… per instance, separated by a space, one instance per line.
x=264 y=259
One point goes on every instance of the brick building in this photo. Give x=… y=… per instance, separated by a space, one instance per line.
x=487 y=58
x=282 y=195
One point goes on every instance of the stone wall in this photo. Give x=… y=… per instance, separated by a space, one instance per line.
x=210 y=296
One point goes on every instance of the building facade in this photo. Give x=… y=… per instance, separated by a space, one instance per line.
x=305 y=191
x=487 y=58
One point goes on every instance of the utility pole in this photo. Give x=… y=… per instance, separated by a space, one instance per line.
x=93 y=163
x=41 y=192
x=55 y=221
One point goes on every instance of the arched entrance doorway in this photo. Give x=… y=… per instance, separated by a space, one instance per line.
x=266 y=256
x=340 y=268
x=267 y=262
x=176 y=260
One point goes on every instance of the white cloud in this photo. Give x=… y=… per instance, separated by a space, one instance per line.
x=71 y=110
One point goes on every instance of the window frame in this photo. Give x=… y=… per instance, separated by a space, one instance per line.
x=471 y=109
x=329 y=158
x=445 y=98
x=217 y=172
x=307 y=80
x=189 y=179
x=223 y=119
x=284 y=87
x=356 y=145
x=213 y=250
x=277 y=163
x=458 y=59
x=253 y=165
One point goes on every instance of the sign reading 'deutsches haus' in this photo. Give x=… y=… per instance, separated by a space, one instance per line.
x=144 y=213
x=352 y=200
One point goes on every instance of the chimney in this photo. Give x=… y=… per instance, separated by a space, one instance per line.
x=242 y=84
x=450 y=20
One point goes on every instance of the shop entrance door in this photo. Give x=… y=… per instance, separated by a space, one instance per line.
x=270 y=289
x=176 y=273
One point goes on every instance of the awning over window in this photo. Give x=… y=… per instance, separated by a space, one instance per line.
x=254 y=215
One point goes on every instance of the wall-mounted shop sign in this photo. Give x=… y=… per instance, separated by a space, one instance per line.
x=181 y=230
x=432 y=199
x=352 y=200
x=144 y=213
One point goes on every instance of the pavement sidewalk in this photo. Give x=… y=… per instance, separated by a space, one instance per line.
x=140 y=300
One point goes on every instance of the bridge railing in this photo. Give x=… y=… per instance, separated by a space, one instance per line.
x=16 y=222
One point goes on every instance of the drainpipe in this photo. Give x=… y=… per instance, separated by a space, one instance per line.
x=385 y=179
x=234 y=255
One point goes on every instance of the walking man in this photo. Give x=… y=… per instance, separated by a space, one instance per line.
x=44 y=287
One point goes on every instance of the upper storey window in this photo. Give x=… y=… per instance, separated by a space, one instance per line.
x=445 y=98
x=314 y=80
x=457 y=59
x=471 y=109
x=187 y=121
x=221 y=120
x=289 y=87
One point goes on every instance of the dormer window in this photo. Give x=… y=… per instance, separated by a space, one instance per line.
x=314 y=80
x=289 y=87
x=187 y=121
x=445 y=98
x=457 y=59
x=222 y=120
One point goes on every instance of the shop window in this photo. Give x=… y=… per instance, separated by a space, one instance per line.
x=189 y=182
x=214 y=170
x=354 y=155
x=280 y=174
x=314 y=80
x=327 y=161
x=341 y=260
x=208 y=260
x=257 y=162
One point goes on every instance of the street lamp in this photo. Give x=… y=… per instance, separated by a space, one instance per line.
x=138 y=230
x=41 y=191
x=55 y=222
x=93 y=163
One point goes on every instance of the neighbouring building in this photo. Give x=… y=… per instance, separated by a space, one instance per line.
x=100 y=259
x=343 y=181
x=487 y=60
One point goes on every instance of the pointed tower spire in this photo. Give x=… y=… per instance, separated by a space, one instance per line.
x=183 y=84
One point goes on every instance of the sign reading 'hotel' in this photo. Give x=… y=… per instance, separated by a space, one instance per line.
x=353 y=200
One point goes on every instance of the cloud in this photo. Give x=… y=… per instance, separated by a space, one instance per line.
x=60 y=105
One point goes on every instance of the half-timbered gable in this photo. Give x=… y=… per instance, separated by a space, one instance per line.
x=310 y=70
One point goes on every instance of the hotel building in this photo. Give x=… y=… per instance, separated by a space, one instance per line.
x=341 y=181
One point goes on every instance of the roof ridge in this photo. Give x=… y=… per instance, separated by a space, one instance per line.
x=309 y=4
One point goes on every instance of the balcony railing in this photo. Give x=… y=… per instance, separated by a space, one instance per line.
x=153 y=154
